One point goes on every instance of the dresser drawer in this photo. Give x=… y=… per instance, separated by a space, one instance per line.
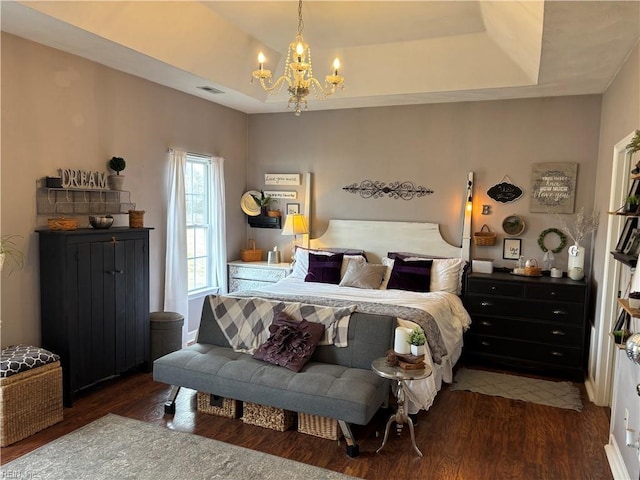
x=562 y=312
x=523 y=351
x=503 y=289
x=568 y=335
x=563 y=293
x=236 y=284
x=252 y=273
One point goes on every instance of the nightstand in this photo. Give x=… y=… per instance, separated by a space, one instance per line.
x=249 y=275
x=536 y=324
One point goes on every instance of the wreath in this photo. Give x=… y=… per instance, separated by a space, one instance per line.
x=563 y=240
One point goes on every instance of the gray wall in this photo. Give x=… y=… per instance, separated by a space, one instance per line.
x=433 y=146
x=62 y=111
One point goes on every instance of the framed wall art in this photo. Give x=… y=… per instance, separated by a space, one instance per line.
x=553 y=187
x=511 y=248
x=293 y=208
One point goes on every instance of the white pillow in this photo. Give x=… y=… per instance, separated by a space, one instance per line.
x=446 y=274
x=301 y=265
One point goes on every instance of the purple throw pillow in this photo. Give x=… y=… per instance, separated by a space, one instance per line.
x=414 y=275
x=291 y=343
x=324 y=268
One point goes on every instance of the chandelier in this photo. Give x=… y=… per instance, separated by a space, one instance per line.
x=298 y=74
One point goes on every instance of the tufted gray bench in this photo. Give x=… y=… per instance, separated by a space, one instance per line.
x=336 y=383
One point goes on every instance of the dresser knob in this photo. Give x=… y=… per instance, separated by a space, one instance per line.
x=493 y=288
x=558 y=332
x=557 y=354
x=485 y=323
x=559 y=312
x=553 y=294
x=485 y=303
x=485 y=344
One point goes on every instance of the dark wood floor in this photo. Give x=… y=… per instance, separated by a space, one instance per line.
x=463 y=436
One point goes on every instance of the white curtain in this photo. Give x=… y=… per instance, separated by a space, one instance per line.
x=176 y=281
x=218 y=222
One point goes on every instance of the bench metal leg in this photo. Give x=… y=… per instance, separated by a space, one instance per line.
x=353 y=450
x=170 y=404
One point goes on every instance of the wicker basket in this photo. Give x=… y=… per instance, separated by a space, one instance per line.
x=533 y=270
x=62 y=223
x=29 y=402
x=484 y=239
x=222 y=407
x=268 y=417
x=251 y=254
x=136 y=218
x=323 y=427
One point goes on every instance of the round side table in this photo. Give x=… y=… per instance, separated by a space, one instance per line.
x=380 y=366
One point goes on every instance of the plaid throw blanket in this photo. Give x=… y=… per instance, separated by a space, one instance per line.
x=416 y=315
x=245 y=321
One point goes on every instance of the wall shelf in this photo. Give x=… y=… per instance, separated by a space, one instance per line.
x=75 y=201
x=629 y=260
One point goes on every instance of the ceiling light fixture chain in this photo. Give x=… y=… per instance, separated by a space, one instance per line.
x=298 y=74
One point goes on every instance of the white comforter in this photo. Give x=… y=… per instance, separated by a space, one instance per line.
x=445 y=308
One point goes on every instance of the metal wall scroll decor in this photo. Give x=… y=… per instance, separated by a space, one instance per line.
x=396 y=190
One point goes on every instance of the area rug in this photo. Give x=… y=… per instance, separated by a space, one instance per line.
x=115 y=447
x=544 y=392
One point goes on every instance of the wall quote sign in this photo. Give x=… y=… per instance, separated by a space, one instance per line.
x=278 y=194
x=282 y=179
x=553 y=187
x=505 y=191
x=396 y=190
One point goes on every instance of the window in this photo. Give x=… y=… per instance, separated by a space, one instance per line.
x=198 y=205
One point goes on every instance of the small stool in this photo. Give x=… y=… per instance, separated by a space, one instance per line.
x=30 y=392
x=166 y=333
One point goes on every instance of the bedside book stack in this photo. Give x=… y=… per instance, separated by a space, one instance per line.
x=410 y=362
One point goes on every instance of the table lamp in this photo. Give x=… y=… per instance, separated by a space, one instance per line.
x=295 y=225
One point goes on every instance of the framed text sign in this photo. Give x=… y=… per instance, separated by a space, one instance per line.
x=282 y=179
x=553 y=187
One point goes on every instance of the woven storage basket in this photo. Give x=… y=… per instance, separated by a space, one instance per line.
x=251 y=254
x=484 y=239
x=533 y=270
x=268 y=417
x=230 y=408
x=136 y=218
x=323 y=427
x=29 y=402
x=62 y=223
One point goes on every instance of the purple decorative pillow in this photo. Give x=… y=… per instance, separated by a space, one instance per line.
x=291 y=343
x=324 y=268
x=414 y=275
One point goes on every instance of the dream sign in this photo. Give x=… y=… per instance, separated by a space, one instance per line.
x=505 y=191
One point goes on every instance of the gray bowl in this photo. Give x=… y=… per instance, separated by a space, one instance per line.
x=101 y=221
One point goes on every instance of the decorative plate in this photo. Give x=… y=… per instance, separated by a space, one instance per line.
x=513 y=225
x=248 y=204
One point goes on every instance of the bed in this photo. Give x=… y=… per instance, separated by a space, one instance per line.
x=349 y=263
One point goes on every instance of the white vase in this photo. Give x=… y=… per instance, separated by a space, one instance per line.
x=417 y=350
x=576 y=258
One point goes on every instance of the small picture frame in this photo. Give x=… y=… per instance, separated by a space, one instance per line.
x=633 y=243
x=630 y=224
x=293 y=208
x=511 y=248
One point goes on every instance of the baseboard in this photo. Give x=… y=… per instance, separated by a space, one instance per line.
x=616 y=463
x=588 y=385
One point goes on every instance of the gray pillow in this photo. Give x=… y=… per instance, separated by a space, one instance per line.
x=363 y=275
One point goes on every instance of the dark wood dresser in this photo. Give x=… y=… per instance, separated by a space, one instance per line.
x=94 y=290
x=535 y=324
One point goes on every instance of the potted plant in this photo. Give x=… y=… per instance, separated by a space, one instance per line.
x=117 y=164
x=620 y=336
x=10 y=252
x=417 y=339
x=263 y=201
x=631 y=205
x=634 y=300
